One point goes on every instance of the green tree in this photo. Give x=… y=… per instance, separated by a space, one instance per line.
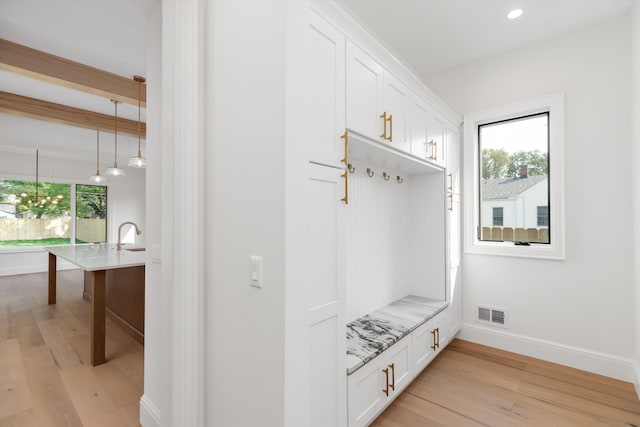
x=494 y=163
x=537 y=162
x=52 y=199
x=91 y=201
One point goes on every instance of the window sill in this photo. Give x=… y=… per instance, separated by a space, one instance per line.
x=509 y=249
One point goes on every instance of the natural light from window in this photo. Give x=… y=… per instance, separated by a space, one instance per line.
x=514 y=181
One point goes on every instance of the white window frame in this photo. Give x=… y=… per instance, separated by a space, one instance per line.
x=554 y=104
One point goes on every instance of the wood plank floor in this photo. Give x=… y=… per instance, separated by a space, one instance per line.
x=46 y=378
x=473 y=385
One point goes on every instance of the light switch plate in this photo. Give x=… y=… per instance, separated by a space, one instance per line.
x=255 y=271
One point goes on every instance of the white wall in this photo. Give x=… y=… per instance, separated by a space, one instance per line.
x=155 y=404
x=579 y=311
x=125 y=199
x=635 y=161
x=246 y=179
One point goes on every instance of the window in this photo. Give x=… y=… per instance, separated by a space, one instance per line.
x=40 y=215
x=498 y=218
x=543 y=216
x=514 y=171
x=515 y=153
x=91 y=214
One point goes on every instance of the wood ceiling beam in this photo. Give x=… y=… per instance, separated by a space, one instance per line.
x=18 y=105
x=34 y=63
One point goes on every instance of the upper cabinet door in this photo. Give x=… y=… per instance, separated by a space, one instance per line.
x=327 y=86
x=419 y=112
x=396 y=106
x=436 y=150
x=365 y=82
x=453 y=160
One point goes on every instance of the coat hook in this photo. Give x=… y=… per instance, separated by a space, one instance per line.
x=351 y=168
x=385 y=176
x=370 y=172
x=400 y=180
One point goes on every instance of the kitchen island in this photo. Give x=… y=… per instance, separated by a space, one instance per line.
x=95 y=259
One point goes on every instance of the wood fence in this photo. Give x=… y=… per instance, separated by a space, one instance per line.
x=508 y=234
x=87 y=230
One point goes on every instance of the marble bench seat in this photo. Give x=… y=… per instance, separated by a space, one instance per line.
x=370 y=335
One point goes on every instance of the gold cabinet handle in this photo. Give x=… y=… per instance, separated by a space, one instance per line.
x=450 y=175
x=345 y=160
x=390 y=139
x=393 y=376
x=386 y=373
x=438 y=335
x=434 y=346
x=435 y=150
x=345 y=136
x=450 y=196
x=345 y=199
x=433 y=155
x=383 y=116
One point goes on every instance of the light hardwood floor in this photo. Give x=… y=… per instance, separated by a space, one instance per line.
x=46 y=378
x=473 y=385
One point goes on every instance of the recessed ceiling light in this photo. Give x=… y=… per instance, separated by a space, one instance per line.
x=515 y=13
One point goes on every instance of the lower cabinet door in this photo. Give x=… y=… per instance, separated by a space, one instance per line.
x=440 y=327
x=423 y=351
x=378 y=382
x=428 y=339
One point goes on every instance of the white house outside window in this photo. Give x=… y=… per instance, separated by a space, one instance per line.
x=514 y=205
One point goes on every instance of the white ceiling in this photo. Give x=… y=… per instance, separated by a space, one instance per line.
x=106 y=34
x=434 y=36
x=431 y=36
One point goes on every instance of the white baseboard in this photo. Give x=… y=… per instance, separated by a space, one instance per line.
x=149 y=413
x=29 y=269
x=636 y=379
x=579 y=358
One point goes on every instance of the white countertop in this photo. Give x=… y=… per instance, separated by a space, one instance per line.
x=103 y=256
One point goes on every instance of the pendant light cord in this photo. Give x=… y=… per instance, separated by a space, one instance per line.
x=139 y=153
x=115 y=160
x=98 y=152
x=37 y=168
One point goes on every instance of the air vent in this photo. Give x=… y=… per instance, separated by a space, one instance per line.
x=492 y=315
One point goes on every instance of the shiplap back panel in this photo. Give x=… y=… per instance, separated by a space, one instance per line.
x=377 y=230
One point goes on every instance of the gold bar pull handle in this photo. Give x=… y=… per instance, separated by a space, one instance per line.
x=386 y=389
x=438 y=335
x=435 y=150
x=345 y=199
x=450 y=196
x=434 y=346
x=383 y=116
x=345 y=136
x=390 y=139
x=450 y=175
x=393 y=376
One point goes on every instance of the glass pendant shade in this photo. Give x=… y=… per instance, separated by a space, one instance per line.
x=97 y=178
x=115 y=170
x=138 y=161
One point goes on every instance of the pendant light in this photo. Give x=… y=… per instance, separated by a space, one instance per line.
x=97 y=178
x=115 y=170
x=138 y=161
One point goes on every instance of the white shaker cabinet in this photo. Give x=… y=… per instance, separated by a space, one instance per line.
x=365 y=87
x=427 y=341
x=378 y=382
x=419 y=118
x=326 y=305
x=436 y=150
x=327 y=92
x=377 y=102
x=396 y=102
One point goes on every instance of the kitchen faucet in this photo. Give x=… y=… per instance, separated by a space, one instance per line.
x=138 y=231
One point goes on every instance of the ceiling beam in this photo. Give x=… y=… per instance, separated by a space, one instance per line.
x=18 y=105
x=34 y=63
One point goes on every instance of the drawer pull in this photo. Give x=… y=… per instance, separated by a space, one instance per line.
x=434 y=347
x=386 y=374
x=393 y=376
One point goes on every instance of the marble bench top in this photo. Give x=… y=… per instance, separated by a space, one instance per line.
x=370 y=335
